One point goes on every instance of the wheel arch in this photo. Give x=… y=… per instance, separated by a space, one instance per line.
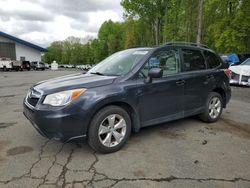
x=222 y=93
x=134 y=115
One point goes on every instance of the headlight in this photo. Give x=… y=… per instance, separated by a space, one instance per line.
x=63 y=98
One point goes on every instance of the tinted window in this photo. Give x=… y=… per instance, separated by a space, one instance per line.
x=211 y=59
x=167 y=60
x=193 y=60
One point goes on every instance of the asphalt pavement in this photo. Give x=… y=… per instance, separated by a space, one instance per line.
x=184 y=153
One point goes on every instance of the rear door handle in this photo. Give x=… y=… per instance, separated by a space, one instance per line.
x=180 y=82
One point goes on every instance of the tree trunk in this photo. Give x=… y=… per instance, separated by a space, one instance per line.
x=199 y=23
x=157 y=31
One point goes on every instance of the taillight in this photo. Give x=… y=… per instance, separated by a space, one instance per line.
x=228 y=72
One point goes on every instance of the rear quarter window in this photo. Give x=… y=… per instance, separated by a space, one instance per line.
x=212 y=60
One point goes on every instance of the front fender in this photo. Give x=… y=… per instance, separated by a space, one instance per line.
x=96 y=99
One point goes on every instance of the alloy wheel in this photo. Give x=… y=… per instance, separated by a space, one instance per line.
x=214 y=107
x=112 y=130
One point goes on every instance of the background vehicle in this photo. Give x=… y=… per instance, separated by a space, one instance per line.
x=47 y=66
x=16 y=65
x=69 y=66
x=240 y=75
x=8 y=64
x=5 y=64
x=36 y=65
x=129 y=90
x=25 y=65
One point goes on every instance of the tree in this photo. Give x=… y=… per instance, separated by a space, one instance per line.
x=222 y=25
x=199 y=22
x=110 y=36
x=54 y=52
x=151 y=11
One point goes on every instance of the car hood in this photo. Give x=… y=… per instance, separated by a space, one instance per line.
x=73 y=81
x=241 y=69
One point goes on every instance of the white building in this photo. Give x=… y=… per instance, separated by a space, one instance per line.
x=18 y=49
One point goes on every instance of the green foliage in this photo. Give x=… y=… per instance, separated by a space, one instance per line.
x=228 y=25
x=225 y=28
x=54 y=52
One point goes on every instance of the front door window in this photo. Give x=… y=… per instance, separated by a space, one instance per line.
x=167 y=60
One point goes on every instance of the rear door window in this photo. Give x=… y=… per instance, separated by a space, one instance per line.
x=211 y=59
x=193 y=60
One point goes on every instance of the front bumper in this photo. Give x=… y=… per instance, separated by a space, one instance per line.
x=237 y=82
x=60 y=124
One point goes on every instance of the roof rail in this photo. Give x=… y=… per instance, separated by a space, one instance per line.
x=187 y=44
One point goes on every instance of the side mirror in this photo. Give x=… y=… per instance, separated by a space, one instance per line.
x=154 y=73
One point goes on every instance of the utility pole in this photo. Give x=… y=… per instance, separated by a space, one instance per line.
x=199 y=22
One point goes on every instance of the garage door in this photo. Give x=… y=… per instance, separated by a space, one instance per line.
x=7 y=50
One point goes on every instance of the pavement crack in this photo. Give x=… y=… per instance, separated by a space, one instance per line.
x=65 y=169
x=53 y=163
x=92 y=166
x=173 y=178
x=28 y=174
x=93 y=170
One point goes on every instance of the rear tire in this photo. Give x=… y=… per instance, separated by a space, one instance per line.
x=213 y=108
x=109 y=129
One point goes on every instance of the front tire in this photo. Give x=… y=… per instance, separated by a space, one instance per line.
x=213 y=108
x=109 y=130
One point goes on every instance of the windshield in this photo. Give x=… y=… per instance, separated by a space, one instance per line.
x=119 y=63
x=246 y=62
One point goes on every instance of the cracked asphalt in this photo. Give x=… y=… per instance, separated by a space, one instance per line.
x=184 y=153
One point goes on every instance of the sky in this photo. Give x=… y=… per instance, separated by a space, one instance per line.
x=44 y=21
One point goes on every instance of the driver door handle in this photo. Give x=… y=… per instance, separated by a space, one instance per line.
x=180 y=82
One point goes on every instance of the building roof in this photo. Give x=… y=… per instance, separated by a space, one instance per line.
x=23 y=42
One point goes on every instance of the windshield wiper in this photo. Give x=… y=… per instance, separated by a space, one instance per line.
x=97 y=73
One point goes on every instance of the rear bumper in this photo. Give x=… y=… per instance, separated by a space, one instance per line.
x=64 y=124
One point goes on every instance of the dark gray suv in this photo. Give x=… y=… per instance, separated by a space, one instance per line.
x=129 y=90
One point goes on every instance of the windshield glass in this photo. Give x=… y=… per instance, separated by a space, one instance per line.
x=247 y=62
x=119 y=63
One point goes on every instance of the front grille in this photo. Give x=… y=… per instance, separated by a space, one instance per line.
x=245 y=78
x=32 y=101
x=33 y=97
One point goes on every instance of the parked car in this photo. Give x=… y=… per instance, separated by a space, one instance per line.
x=25 y=65
x=61 y=66
x=126 y=92
x=36 y=65
x=47 y=66
x=83 y=67
x=7 y=64
x=69 y=66
x=240 y=75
